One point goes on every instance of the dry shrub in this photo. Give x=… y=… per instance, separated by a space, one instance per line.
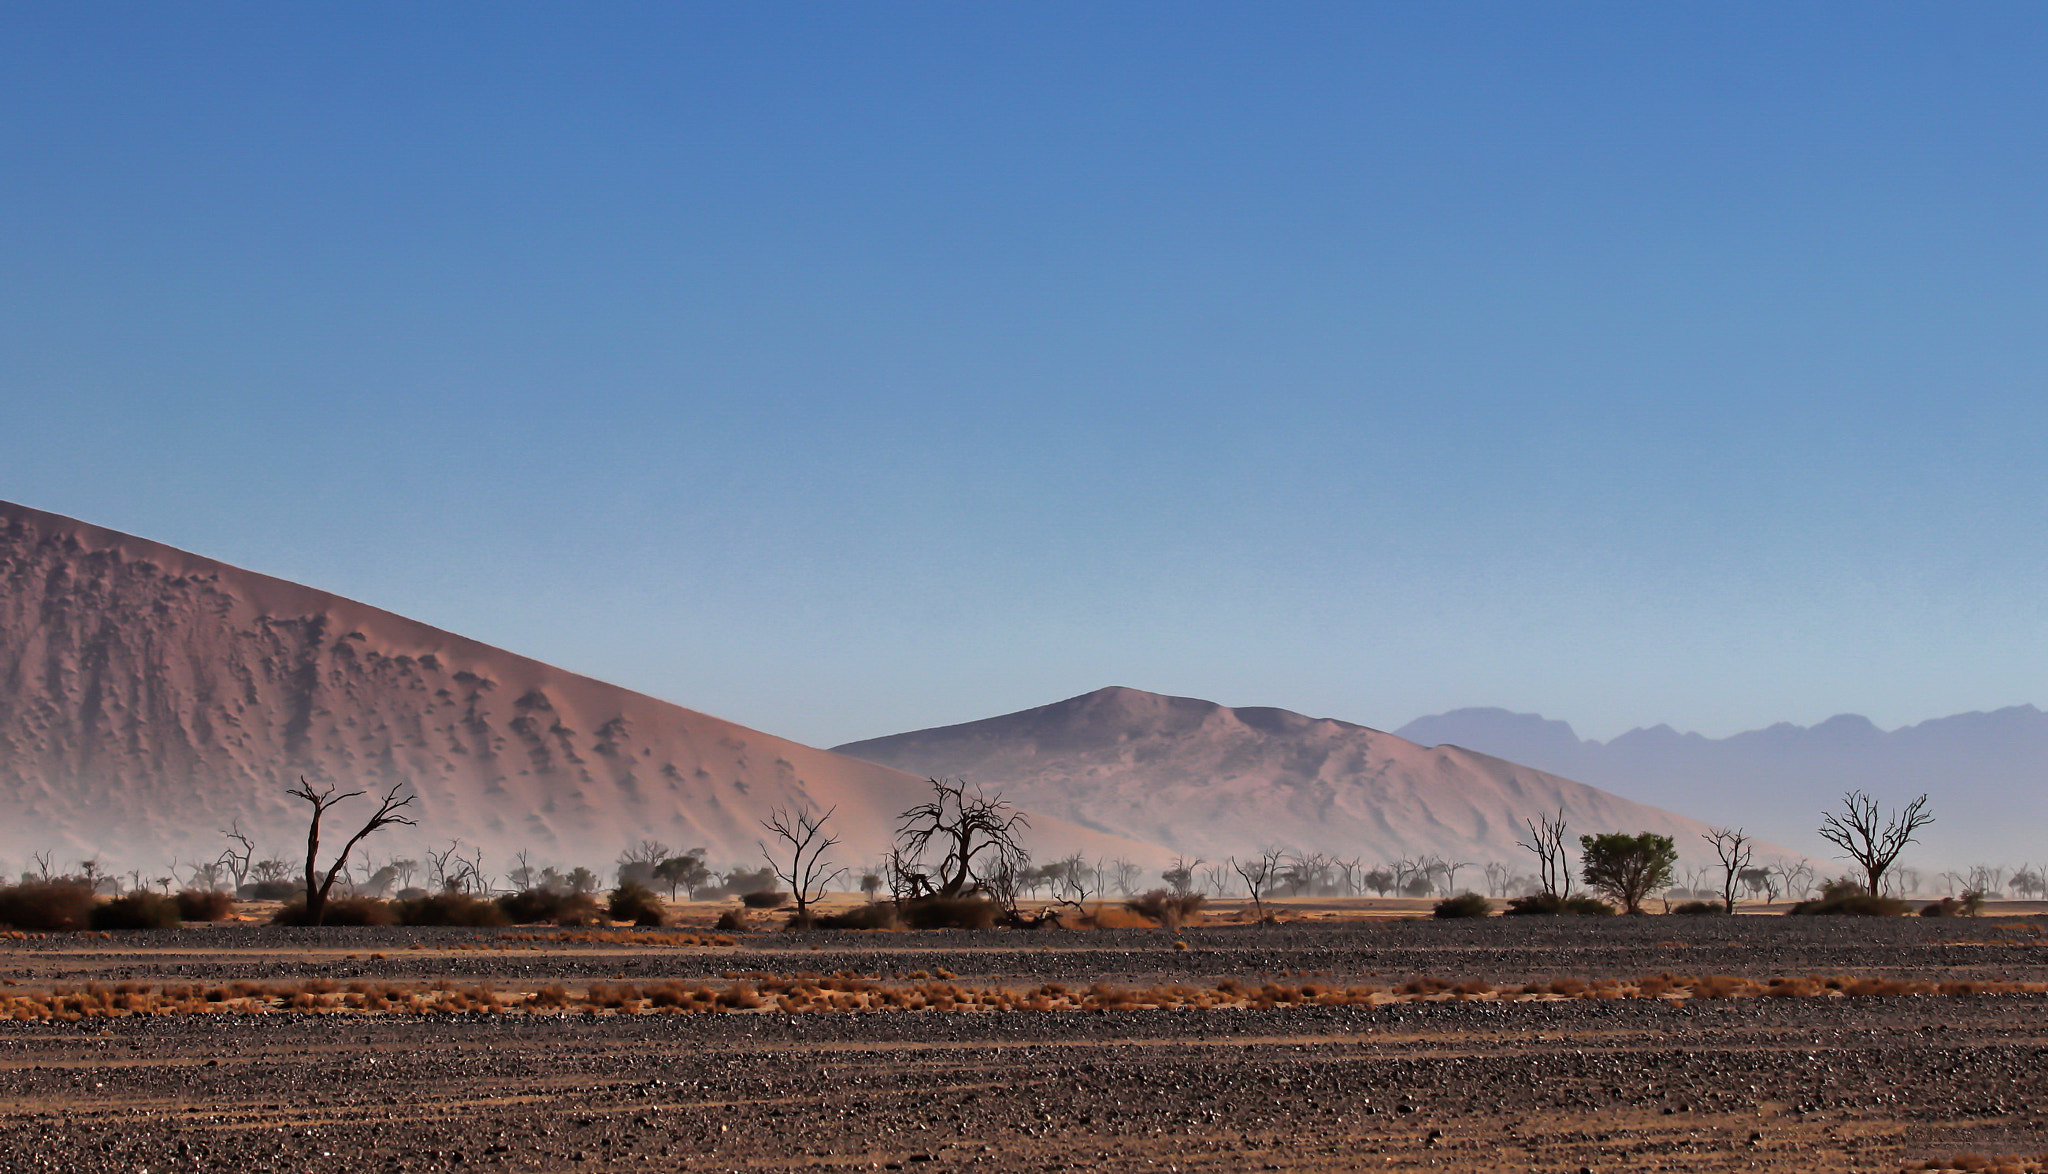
x=1721 y=986
x=1656 y=986
x=450 y=909
x=137 y=911
x=1424 y=985
x=1856 y=904
x=879 y=915
x=950 y=913
x=46 y=905
x=205 y=904
x=545 y=906
x=637 y=904
x=740 y=997
x=733 y=921
x=1463 y=905
x=1113 y=917
x=605 y=995
x=1699 y=908
x=341 y=911
x=1570 y=988
x=1166 y=907
x=1866 y=987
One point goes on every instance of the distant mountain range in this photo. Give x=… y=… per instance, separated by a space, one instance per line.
x=1209 y=780
x=1986 y=773
x=150 y=697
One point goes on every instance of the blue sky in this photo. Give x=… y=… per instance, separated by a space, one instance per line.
x=848 y=369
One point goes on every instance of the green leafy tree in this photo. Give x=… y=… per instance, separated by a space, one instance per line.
x=1627 y=868
x=685 y=872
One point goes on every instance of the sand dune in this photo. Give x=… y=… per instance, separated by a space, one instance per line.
x=149 y=696
x=1209 y=780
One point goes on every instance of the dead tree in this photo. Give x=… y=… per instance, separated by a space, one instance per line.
x=1734 y=848
x=1497 y=877
x=1869 y=837
x=1553 y=863
x=1258 y=873
x=237 y=863
x=205 y=875
x=1450 y=870
x=1798 y=878
x=977 y=832
x=387 y=814
x=804 y=843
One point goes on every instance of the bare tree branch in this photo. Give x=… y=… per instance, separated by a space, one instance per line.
x=1870 y=838
x=318 y=888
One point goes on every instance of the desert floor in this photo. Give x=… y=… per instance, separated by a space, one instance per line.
x=1599 y=1079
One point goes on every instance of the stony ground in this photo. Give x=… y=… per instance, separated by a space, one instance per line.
x=1700 y=1084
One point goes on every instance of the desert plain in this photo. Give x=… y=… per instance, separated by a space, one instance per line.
x=1353 y=1035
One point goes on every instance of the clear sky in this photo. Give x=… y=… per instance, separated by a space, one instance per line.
x=845 y=369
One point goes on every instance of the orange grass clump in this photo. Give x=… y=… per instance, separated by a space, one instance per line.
x=849 y=992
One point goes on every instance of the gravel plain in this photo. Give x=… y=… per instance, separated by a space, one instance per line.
x=1874 y=1083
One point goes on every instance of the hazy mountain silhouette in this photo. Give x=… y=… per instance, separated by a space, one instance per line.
x=149 y=696
x=1984 y=771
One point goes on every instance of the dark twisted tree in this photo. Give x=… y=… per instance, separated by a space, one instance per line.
x=1734 y=847
x=1869 y=837
x=804 y=844
x=318 y=887
x=977 y=834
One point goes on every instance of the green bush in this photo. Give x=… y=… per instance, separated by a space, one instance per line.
x=1700 y=908
x=47 y=905
x=1856 y=904
x=449 y=909
x=137 y=911
x=764 y=900
x=534 y=906
x=1463 y=905
x=637 y=904
x=204 y=905
x=951 y=913
x=1588 y=907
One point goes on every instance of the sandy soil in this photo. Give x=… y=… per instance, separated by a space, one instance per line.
x=1827 y=1084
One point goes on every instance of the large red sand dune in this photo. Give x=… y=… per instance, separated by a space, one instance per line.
x=1209 y=780
x=149 y=697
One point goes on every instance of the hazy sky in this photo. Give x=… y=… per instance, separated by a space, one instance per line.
x=845 y=369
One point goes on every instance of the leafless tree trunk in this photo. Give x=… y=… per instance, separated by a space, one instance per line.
x=1259 y=873
x=1553 y=862
x=966 y=825
x=238 y=863
x=386 y=815
x=1498 y=876
x=1869 y=837
x=1734 y=848
x=1126 y=876
x=804 y=843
